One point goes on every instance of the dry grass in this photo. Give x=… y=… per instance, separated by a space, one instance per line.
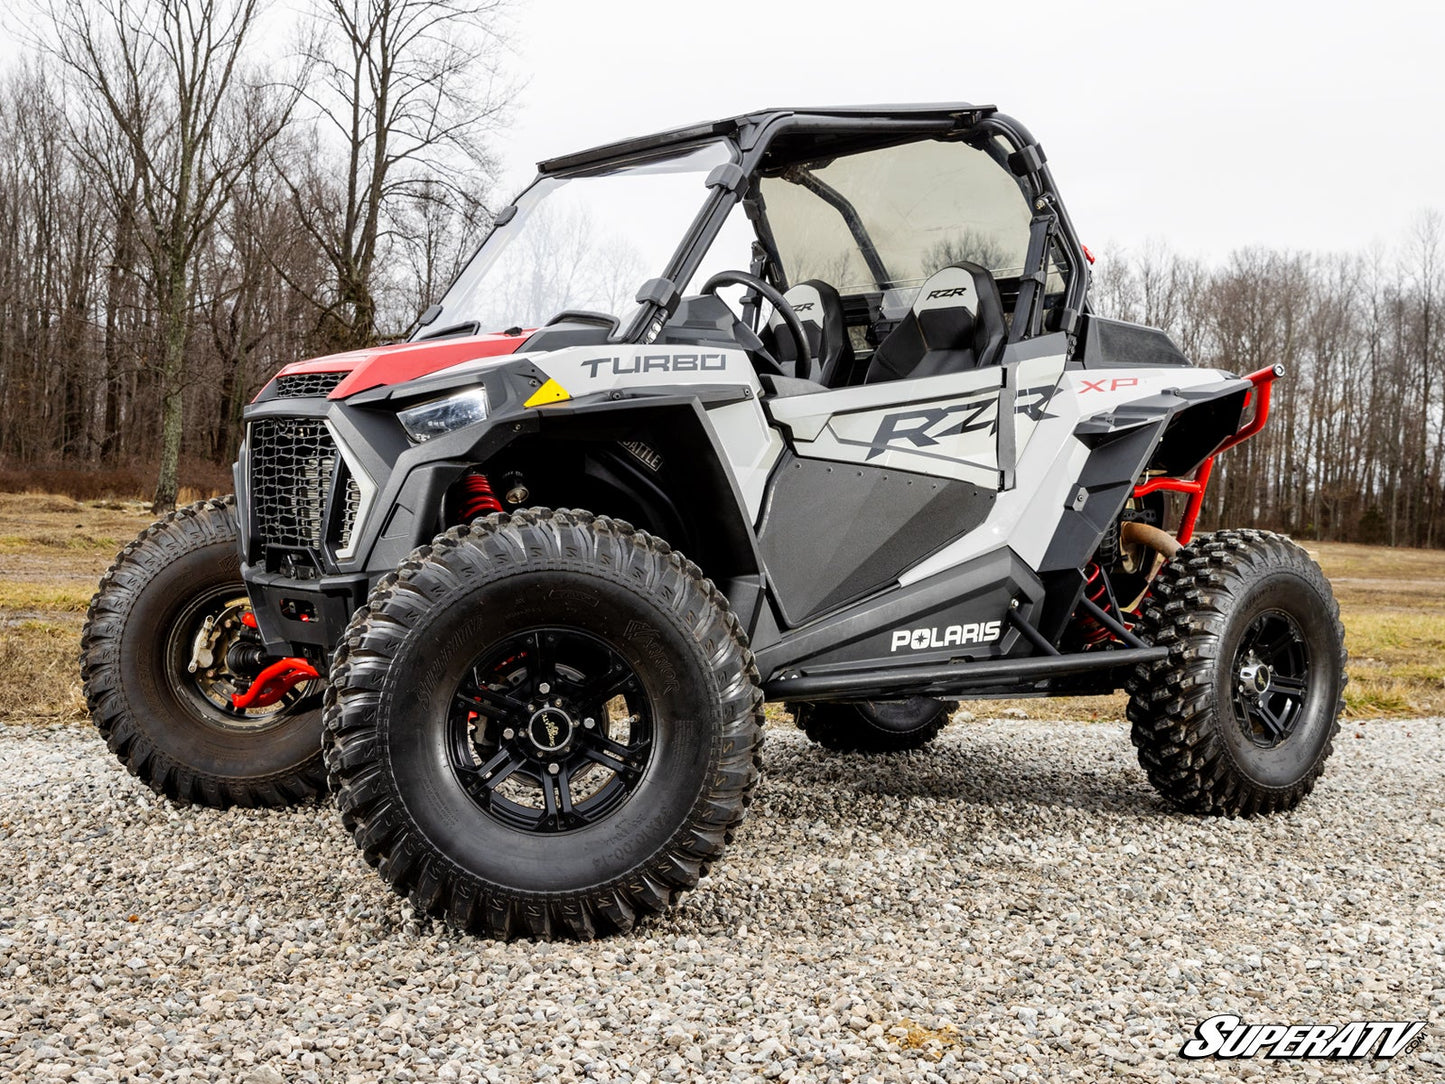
x=39 y=676
x=134 y=481
x=53 y=549
x=1393 y=605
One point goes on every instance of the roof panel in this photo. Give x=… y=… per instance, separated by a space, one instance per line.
x=673 y=136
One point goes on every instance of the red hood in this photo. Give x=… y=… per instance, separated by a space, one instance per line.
x=380 y=366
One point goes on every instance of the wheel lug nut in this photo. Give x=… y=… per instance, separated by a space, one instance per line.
x=544 y=688
x=557 y=703
x=508 y=734
x=553 y=768
x=589 y=723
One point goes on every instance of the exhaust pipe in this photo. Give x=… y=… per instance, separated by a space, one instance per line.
x=1159 y=541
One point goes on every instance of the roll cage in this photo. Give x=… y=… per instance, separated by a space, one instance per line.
x=776 y=142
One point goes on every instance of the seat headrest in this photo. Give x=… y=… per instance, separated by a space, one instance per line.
x=810 y=302
x=820 y=310
x=956 y=322
x=950 y=287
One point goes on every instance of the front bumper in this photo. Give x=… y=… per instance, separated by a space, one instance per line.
x=335 y=496
x=304 y=618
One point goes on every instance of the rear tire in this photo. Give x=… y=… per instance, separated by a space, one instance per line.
x=1240 y=718
x=544 y=724
x=875 y=726
x=169 y=726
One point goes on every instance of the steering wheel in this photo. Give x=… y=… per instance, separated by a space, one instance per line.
x=804 y=366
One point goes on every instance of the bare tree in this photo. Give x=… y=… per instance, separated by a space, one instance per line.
x=406 y=92
x=163 y=103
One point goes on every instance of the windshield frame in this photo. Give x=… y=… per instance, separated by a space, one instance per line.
x=638 y=317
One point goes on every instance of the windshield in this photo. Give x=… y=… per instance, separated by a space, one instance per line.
x=582 y=242
x=887 y=219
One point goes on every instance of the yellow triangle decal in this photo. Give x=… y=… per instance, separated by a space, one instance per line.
x=550 y=392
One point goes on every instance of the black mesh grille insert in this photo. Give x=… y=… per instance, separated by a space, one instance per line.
x=307 y=385
x=292 y=460
x=350 y=506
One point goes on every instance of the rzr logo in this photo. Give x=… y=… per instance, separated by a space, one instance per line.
x=1227 y=1036
x=925 y=428
x=953 y=291
x=803 y=307
x=977 y=632
x=659 y=363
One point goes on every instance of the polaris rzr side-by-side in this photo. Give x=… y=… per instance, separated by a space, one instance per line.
x=806 y=404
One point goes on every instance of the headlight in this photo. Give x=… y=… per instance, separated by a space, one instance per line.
x=443 y=415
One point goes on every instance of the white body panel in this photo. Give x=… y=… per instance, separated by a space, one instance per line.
x=1026 y=517
x=939 y=425
x=942 y=425
x=583 y=370
x=750 y=444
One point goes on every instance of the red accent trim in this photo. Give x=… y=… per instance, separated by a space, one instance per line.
x=399 y=362
x=1087 y=254
x=249 y=619
x=1263 y=381
x=274 y=682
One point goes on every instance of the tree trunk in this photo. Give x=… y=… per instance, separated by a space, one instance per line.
x=173 y=372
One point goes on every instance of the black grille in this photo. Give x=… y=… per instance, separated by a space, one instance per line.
x=292 y=462
x=349 y=507
x=307 y=385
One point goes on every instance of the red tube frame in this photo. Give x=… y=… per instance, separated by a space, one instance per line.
x=274 y=682
x=1263 y=381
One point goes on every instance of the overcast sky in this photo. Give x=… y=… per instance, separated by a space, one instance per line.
x=1208 y=126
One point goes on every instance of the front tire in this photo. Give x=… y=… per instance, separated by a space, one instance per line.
x=172 y=725
x=544 y=724
x=875 y=726
x=1240 y=718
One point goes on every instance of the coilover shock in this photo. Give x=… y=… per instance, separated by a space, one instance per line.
x=1096 y=590
x=474 y=497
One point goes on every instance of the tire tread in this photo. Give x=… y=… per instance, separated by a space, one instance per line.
x=191 y=527
x=497 y=545
x=1173 y=721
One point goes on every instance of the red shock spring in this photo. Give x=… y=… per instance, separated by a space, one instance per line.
x=475 y=497
x=1096 y=590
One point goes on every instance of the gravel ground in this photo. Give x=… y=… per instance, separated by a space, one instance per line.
x=1015 y=906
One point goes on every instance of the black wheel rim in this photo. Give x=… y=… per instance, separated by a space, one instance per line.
x=1271 y=677
x=550 y=730
x=208 y=689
